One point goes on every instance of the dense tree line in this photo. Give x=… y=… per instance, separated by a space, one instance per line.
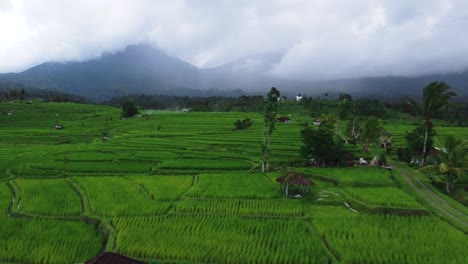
x=42 y=94
x=200 y=104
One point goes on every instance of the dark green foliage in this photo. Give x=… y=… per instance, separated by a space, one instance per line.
x=243 y=124
x=368 y=107
x=197 y=104
x=247 y=104
x=382 y=159
x=270 y=109
x=313 y=105
x=346 y=108
x=345 y=96
x=415 y=140
x=129 y=109
x=318 y=144
x=22 y=94
x=435 y=103
x=449 y=161
x=12 y=92
x=269 y=119
x=404 y=154
x=370 y=132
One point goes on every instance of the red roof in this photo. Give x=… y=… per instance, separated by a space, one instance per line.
x=284 y=119
x=295 y=178
x=112 y=258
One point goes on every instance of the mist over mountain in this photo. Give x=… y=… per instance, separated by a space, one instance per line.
x=143 y=69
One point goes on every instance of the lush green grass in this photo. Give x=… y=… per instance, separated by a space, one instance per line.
x=53 y=197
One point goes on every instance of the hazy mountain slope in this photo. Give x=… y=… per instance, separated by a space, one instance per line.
x=137 y=69
x=143 y=69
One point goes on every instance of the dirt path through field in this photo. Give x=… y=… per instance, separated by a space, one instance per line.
x=433 y=198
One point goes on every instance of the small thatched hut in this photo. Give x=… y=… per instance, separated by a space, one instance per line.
x=294 y=180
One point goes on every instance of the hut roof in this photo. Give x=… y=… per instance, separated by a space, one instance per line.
x=284 y=119
x=295 y=178
x=112 y=258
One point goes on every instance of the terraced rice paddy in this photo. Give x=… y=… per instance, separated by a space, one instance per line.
x=39 y=196
x=191 y=192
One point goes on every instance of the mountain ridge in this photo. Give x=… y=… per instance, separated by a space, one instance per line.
x=146 y=70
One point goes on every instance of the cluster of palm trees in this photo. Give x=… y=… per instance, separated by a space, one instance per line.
x=450 y=157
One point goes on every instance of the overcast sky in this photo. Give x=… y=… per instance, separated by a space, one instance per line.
x=320 y=39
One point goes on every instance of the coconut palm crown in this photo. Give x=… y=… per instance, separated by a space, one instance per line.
x=450 y=160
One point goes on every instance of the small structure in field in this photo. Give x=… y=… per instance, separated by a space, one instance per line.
x=294 y=180
x=298 y=97
x=284 y=119
x=362 y=162
x=9 y=113
x=317 y=122
x=374 y=162
x=58 y=127
x=105 y=138
x=112 y=258
x=186 y=110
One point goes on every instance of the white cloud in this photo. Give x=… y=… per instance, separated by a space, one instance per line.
x=320 y=39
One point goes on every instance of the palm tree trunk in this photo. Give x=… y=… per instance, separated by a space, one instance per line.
x=263 y=150
x=448 y=183
x=426 y=132
x=268 y=155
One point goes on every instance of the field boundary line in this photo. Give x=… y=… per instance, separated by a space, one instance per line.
x=327 y=247
x=75 y=189
x=14 y=196
x=141 y=187
x=83 y=195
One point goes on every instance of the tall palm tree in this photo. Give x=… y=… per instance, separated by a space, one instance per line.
x=450 y=159
x=434 y=103
x=269 y=117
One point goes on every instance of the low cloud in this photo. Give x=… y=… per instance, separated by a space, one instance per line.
x=319 y=39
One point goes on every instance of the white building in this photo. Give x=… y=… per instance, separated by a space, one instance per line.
x=298 y=97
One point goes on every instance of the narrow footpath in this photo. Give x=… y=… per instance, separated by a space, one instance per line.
x=444 y=209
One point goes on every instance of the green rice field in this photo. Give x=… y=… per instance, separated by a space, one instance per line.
x=173 y=187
